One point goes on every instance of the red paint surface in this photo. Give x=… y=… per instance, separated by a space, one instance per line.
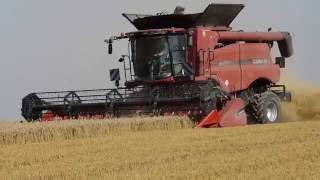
x=232 y=115
x=209 y=59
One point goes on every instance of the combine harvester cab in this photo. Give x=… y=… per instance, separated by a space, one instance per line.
x=183 y=64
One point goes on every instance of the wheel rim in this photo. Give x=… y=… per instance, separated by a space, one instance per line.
x=272 y=112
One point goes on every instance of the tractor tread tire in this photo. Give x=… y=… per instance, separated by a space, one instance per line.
x=258 y=107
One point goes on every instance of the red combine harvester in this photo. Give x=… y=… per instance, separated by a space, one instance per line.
x=183 y=64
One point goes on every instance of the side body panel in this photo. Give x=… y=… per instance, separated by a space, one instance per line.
x=236 y=65
x=256 y=63
x=226 y=66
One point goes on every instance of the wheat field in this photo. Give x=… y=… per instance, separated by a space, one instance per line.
x=166 y=148
x=174 y=151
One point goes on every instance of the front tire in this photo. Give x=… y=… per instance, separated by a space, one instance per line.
x=266 y=108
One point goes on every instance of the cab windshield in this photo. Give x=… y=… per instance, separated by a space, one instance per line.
x=158 y=57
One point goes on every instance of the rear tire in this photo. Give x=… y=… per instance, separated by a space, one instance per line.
x=265 y=108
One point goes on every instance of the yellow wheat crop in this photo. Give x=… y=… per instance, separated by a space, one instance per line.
x=59 y=130
x=280 y=151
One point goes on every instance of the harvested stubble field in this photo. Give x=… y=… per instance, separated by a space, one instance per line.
x=165 y=148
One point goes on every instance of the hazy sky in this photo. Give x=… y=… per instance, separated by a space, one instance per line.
x=58 y=44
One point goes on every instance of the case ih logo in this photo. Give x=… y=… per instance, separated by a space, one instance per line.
x=243 y=62
x=259 y=61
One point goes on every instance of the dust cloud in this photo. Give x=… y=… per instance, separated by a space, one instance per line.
x=305 y=105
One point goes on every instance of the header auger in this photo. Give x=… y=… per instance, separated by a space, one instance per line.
x=184 y=64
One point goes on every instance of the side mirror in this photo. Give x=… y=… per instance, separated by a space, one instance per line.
x=281 y=61
x=121 y=59
x=114 y=75
x=110 y=48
